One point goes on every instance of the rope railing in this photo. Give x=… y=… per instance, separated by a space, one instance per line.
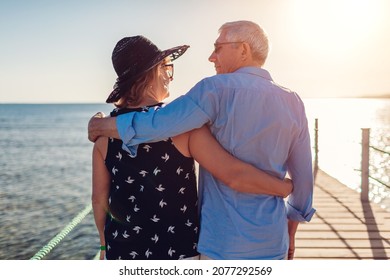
x=57 y=239
x=365 y=170
x=379 y=181
x=373 y=178
x=365 y=162
x=379 y=150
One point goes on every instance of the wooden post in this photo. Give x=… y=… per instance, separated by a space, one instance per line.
x=365 y=163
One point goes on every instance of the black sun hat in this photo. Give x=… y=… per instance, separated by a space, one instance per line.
x=134 y=56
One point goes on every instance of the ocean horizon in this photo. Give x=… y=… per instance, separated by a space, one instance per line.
x=376 y=96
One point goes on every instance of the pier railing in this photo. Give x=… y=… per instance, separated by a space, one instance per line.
x=365 y=164
x=366 y=177
x=61 y=235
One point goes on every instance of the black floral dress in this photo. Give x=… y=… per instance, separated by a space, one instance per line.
x=152 y=202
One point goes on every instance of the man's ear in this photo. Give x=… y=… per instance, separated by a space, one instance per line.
x=245 y=51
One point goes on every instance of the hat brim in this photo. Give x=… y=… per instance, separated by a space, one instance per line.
x=122 y=84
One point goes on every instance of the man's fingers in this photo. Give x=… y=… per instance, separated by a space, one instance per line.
x=92 y=135
x=291 y=254
x=99 y=115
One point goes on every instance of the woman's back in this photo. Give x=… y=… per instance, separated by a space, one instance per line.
x=152 y=203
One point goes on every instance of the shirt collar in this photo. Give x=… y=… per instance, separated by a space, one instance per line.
x=255 y=71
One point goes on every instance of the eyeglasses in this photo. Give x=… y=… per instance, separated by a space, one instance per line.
x=168 y=69
x=217 y=45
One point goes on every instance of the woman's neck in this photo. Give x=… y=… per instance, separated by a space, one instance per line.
x=147 y=101
x=150 y=97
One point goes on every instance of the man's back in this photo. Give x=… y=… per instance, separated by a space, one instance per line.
x=263 y=124
x=257 y=120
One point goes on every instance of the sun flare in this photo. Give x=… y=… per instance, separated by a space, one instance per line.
x=336 y=22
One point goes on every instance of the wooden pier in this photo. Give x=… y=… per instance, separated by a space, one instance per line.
x=344 y=227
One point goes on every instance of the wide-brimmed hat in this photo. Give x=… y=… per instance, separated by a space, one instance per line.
x=134 y=56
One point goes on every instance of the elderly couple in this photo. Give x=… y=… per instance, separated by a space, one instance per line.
x=245 y=131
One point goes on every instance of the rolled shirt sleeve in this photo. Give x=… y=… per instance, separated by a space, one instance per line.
x=126 y=132
x=299 y=204
x=297 y=215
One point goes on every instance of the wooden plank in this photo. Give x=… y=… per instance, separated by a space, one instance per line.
x=338 y=243
x=341 y=253
x=358 y=209
x=341 y=227
x=347 y=221
x=347 y=214
x=342 y=235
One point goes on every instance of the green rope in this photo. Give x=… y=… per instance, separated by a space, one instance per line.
x=57 y=239
x=379 y=181
x=379 y=150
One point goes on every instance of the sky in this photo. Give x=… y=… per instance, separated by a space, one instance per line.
x=60 y=51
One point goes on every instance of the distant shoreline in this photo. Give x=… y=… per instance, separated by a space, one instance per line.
x=386 y=96
x=375 y=96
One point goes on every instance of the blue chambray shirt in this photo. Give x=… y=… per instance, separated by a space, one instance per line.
x=257 y=121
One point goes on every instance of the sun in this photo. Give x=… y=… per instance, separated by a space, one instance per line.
x=335 y=23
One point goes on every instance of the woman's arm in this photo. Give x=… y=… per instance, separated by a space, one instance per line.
x=238 y=175
x=100 y=188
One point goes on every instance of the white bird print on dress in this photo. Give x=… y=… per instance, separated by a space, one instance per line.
x=143 y=173
x=179 y=170
x=129 y=180
x=115 y=234
x=147 y=148
x=128 y=218
x=181 y=190
x=114 y=170
x=125 y=235
x=133 y=254
x=171 y=251
x=183 y=209
x=119 y=156
x=132 y=198
x=136 y=209
x=148 y=253
x=182 y=257
x=187 y=176
x=141 y=188
x=155 y=238
x=155 y=219
x=160 y=188
x=162 y=203
x=171 y=229
x=137 y=229
x=188 y=223
x=156 y=171
x=165 y=157
x=196 y=229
